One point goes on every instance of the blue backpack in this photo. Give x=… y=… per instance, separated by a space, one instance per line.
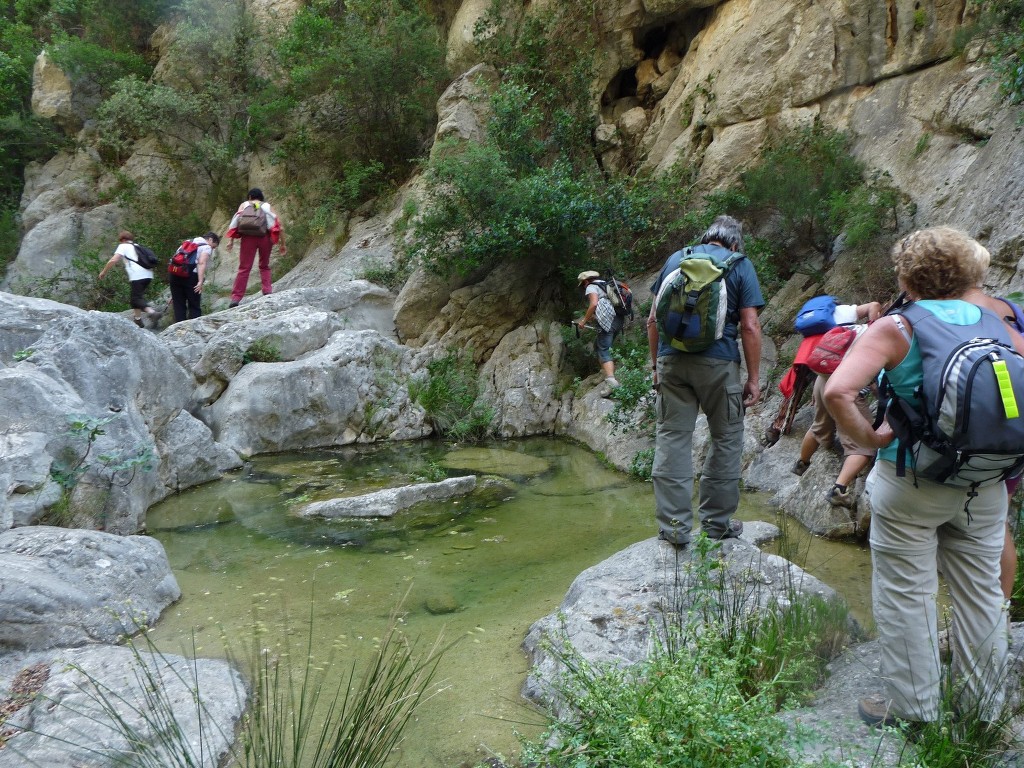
x=816 y=316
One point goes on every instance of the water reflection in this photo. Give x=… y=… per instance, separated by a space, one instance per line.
x=481 y=568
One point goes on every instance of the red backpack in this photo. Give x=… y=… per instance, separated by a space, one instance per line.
x=183 y=262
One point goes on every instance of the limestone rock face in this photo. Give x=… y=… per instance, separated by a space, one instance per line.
x=520 y=380
x=476 y=316
x=463 y=108
x=52 y=94
x=64 y=588
x=461 y=53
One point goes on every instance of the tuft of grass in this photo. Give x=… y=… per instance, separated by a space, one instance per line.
x=451 y=398
x=262 y=351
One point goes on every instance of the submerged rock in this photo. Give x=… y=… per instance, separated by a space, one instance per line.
x=390 y=501
x=496 y=461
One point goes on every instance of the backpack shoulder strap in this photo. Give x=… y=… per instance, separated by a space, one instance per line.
x=1018 y=314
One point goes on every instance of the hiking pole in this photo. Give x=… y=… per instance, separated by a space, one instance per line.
x=577 y=327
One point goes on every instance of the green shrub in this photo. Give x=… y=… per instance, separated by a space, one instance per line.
x=634 y=399
x=262 y=351
x=118 y=467
x=533 y=189
x=450 y=396
x=368 y=75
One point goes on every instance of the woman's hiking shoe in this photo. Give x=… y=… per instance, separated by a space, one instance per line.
x=800 y=467
x=138 y=322
x=876 y=710
x=840 y=496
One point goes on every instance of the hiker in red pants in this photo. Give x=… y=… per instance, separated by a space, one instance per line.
x=259 y=228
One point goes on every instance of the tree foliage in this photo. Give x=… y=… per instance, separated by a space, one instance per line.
x=534 y=189
x=1001 y=25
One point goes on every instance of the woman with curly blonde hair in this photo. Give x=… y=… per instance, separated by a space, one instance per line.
x=918 y=525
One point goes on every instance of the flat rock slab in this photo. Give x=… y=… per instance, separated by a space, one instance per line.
x=495 y=461
x=390 y=501
x=76 y=707
x=61 y=588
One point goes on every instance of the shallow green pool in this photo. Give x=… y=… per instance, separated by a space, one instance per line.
x=502 y=560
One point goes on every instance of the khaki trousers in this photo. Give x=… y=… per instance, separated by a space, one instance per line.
x=915 y=532
x=687 y=384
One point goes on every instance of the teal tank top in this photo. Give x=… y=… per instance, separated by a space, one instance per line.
x=907 y=376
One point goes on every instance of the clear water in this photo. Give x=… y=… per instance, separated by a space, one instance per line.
x=502 y=560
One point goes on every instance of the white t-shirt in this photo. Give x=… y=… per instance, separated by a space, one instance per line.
x=128 y=257
x=845 y=314
x=204 y=248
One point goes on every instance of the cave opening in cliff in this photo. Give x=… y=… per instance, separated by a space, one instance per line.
x=663 y=47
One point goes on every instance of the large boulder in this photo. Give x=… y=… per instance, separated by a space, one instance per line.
x=479 y=314
x=107 y=706
x=614 y=610
x=520 y=380
x=84 y=392
x=353 y=388
x=61 y=588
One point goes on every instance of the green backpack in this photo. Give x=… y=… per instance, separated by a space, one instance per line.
x=693 y=303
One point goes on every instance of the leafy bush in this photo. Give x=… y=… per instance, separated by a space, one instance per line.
x=534 y=188
x=478 y=206
x=366 y=77
x=634 y=399
x=74 y=463
x=450 y=397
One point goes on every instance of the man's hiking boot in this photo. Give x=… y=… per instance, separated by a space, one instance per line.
x=679 y=545
x=138 y=321
x=840 y=496
x=800 y=467
x=732 y=531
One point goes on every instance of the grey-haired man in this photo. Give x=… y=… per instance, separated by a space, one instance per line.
x=708 y=381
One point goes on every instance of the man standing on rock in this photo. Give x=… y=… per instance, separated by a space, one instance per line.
x=708 y=380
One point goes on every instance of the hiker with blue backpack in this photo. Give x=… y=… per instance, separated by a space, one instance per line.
x=706 y=302
x=823 y=431
x=953 y=384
